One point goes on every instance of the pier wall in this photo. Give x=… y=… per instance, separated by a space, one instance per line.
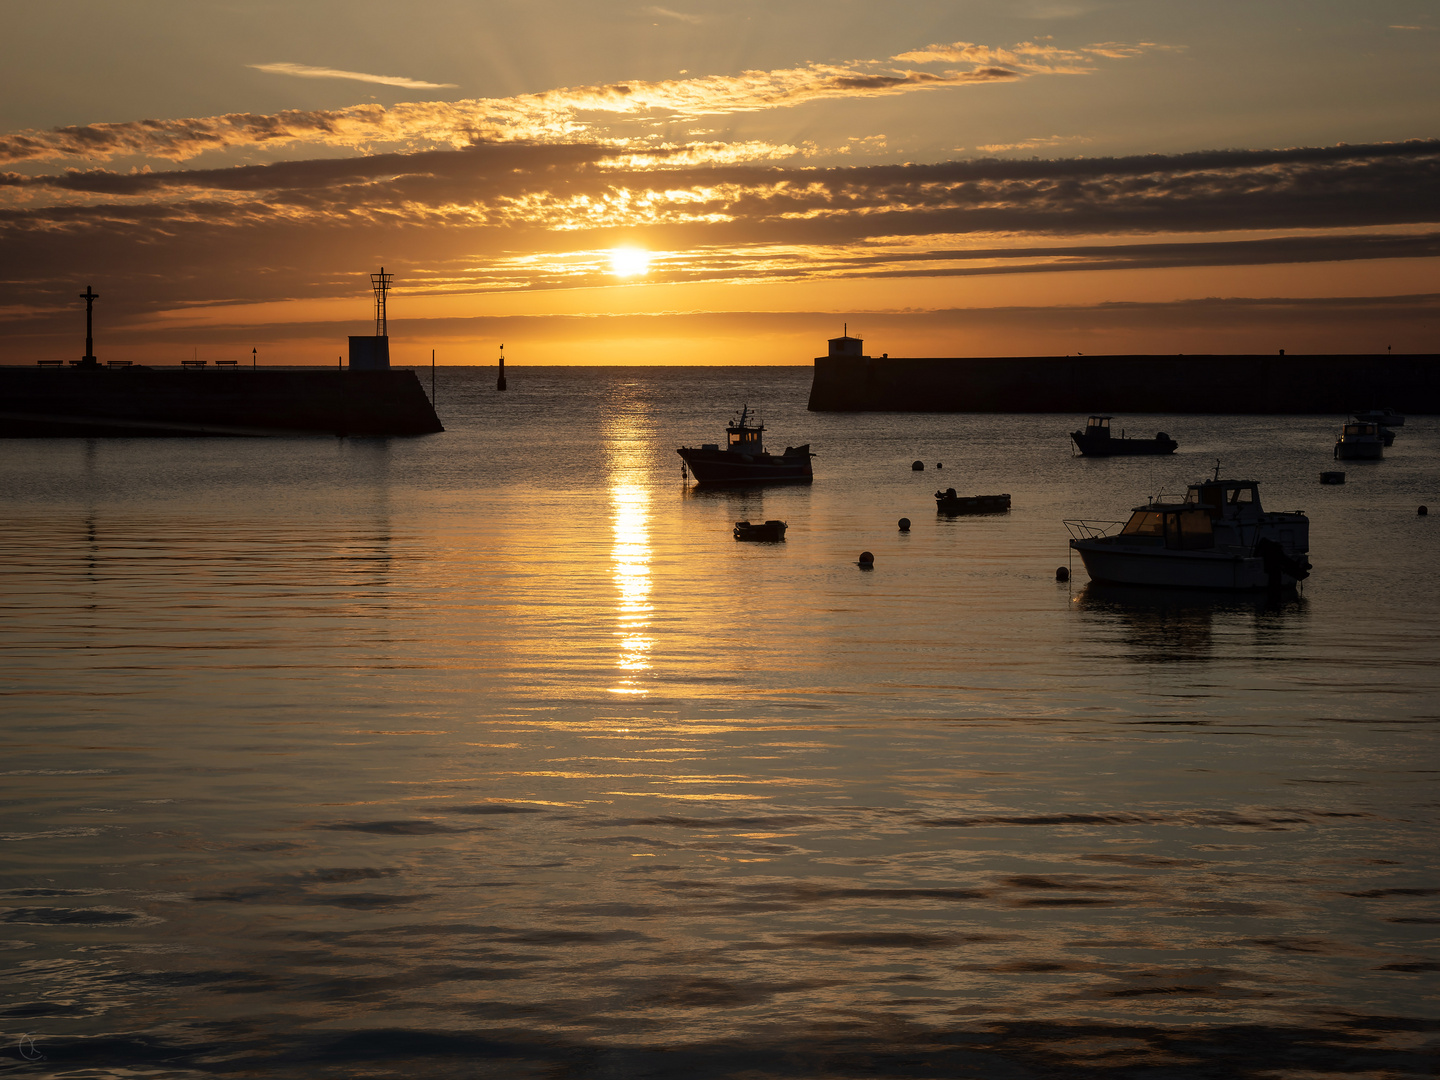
x=1122 y=384
x=144 y=401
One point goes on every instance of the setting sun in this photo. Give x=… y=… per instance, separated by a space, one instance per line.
x=629 y=262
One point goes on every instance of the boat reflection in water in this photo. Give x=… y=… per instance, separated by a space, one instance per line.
x=1183 y=626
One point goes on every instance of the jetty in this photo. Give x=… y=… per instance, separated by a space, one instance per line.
x=155 y=401
x=847 y=380
x=89 y=399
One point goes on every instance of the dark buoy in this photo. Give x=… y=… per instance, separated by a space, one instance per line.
x=1423 y=511
x=905 y=522
x=918 y=466
x=939 y=464
x=866 y=559
x=1062 y=573
x=500 y=382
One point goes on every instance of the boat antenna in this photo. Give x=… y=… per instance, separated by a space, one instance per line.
x=1217 y=468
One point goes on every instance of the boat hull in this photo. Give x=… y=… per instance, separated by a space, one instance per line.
x=725 y=467
x=1217 y=571
x=1091 y=446
x=972 y=504
x=1360 y=451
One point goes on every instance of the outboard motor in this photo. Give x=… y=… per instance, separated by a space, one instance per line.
x=1277 y=563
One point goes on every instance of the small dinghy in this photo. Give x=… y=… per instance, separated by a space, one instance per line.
x=760 y=530
x=947 y=502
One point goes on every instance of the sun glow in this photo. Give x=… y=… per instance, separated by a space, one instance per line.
x=629 y=262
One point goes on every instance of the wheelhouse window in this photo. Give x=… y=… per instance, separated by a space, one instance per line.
x=1190 y=530
x=1144 y=523
x=1242 y=496
x=738 y=438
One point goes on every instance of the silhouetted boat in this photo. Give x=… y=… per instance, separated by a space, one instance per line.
x=1360 y=440
x=768 y=530
x=1218 y=537
x=1097 y=441
x=947 y=502
x=744 y=459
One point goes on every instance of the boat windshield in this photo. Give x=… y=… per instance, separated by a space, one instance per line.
x=1144 y=523
x=744 y=437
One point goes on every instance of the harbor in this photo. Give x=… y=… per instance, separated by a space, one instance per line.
x=513 y=707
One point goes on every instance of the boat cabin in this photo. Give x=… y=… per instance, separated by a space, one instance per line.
x=743 y=436
x=1360 y=430
x=1237 y=500
x=1179 y=526
x=1098 y=426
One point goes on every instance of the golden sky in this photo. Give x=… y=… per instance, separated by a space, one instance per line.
x=715 y=184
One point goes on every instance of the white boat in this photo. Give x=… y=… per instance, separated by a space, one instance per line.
x=1387 y=417
x=1360 y=440
x=1217 y=537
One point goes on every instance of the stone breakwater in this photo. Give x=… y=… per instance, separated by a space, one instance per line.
x=1127 y=384
x=143 y=401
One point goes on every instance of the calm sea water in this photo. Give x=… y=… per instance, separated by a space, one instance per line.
x=492 y=754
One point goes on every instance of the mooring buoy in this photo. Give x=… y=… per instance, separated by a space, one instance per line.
x=918 y=466
x=1062 y=573
x=866 y=559
x=904 y=524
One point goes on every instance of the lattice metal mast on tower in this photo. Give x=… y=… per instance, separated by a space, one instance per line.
x=381 y=283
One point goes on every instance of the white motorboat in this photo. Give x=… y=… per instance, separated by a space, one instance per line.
x=1218 y=537
x=1360 y=440
x=1387 y=417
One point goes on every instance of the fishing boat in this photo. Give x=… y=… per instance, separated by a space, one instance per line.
x=947 y=502
x=1217 y=537
x=1360 y=440
x=1097 y=441
x=743 y=459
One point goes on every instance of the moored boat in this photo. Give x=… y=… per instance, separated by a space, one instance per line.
x=760 y=530
x=1097 y=441
x=1360 y=440
x=947 y=502
x=744 y=460
x=1387 y=417
x=1218 y=537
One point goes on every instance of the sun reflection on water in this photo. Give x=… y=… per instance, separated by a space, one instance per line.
x=631 y=557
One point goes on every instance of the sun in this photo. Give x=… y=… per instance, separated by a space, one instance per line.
x=629 y=262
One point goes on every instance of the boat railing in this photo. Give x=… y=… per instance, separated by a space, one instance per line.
x=1082 y=529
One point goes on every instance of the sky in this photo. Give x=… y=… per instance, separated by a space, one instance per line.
x=719 y=183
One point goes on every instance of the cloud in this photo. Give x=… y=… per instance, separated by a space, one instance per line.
x=1032 y=57
x=689 y=196
x=678 y=16
x=1032 y=143
x=565 y=114
x=305 y=71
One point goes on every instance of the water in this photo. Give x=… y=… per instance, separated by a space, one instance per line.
x=493 y=754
